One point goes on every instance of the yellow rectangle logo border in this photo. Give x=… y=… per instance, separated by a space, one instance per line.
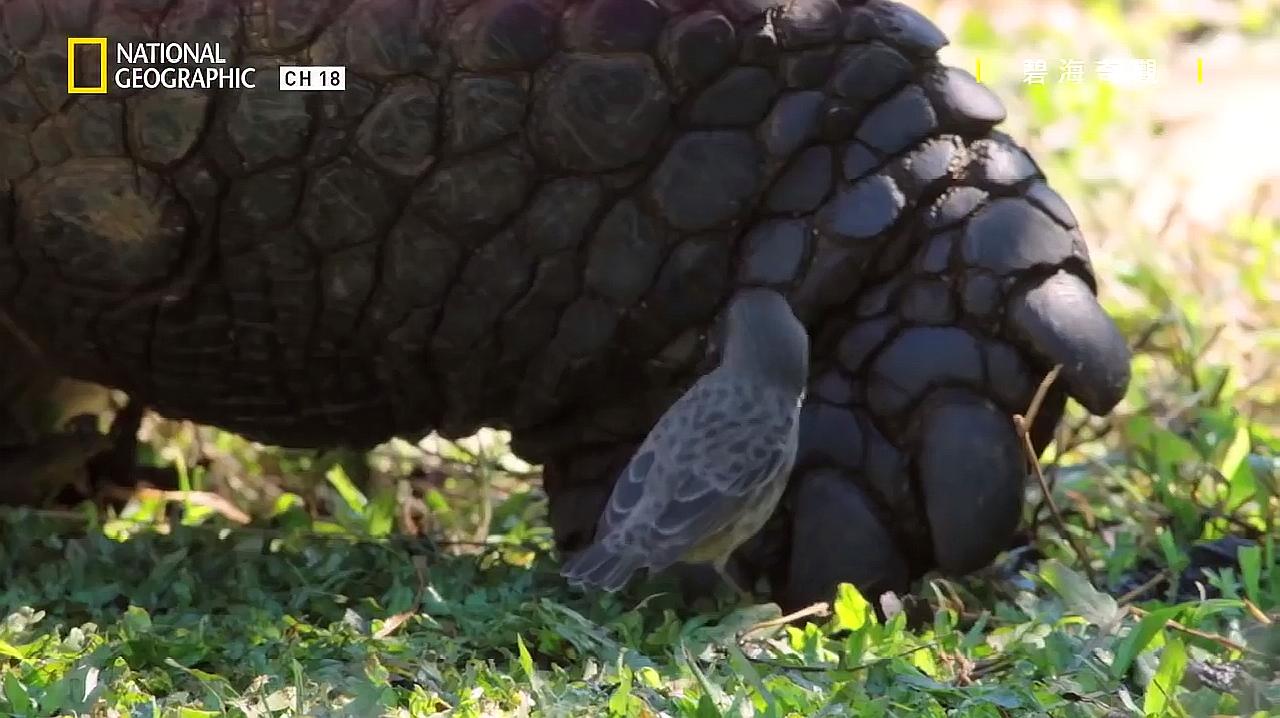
x=72 y=44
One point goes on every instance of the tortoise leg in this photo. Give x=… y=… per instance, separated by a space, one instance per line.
x=909 y=457
x=116 y=464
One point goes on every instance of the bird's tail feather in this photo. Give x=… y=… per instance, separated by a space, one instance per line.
x=601 y=567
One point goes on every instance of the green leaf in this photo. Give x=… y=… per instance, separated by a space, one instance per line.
x=1250 y=558
x=16 y=695
x=1159 y=700
x=1079 y=596
x=8 y=649
x=526 y=660
x=354 y=498
x=620 y=700
x=1139 y=637
x=852 y=611
x=1241 y=483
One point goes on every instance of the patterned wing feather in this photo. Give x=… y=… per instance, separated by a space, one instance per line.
x=701 y=468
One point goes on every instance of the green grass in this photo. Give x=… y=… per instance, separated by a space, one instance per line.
x=418 y=580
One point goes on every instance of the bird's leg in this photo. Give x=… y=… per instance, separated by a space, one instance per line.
x=744 y=596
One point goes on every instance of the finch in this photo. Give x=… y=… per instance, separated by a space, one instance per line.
x=714 y=466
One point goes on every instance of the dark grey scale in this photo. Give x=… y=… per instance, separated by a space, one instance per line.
x=492 y=279
x=471 y=196
x=69 y=18
x=837 y=122
x=586 y=326
x=698 y=47
x=808 y=23
x=884 y=475
x=918 y=359
x=864 y=339
x=929 y=163
x=189 y=22
x=804 y=184
x=830 y=435
x=268 y=198
x=1010 y=235
x=165 y=126
x=17 y=160
x=963 y=103
x=624 y=255
x=807 y=69
x=347 y=108
x=792 y=122
x=899 y=24
x=899 y=122
x=64 y=220
x=1052 y=203
x=1000 y=163
x=1060 y=321
x=559 y=214
x=346 y=282
x=593 y=113
x=504 y=34
x=94 y=129
x=773 y=250
x=532 y=320
x=935 y=256
x=927 y=301
x=836 y=513
x=759 y=44
x=18 y=105
x=483 y=110
x=199 y=186
x=287 y=26
x=344 y=205
x=832 y=276
x=382 y=40
x=865 y=73
x=23 y=23
x=981 y=294
x=1008 y=377
x=859 y=160
x=48 y=144
x=613 y=25
x=953 y=206
x=879 y=299
x=398 y=133
x=861 y=213
x=419 y=262
x=691 y=283
x=707 y=178
x=268 y=127
x=971 y=450
x=740 y=98
x=833 y=387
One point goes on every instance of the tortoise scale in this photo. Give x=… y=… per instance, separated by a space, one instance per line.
x=528 y=213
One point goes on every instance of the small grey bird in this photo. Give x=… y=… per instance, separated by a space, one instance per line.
x=713 y=468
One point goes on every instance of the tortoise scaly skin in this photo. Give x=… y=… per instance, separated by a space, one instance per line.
x=526 y=213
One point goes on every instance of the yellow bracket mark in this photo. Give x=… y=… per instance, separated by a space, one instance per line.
x=977 y=69
x=1200 y=70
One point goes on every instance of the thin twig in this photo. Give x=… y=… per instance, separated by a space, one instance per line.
x=821 y=609
x=1023 y=424
x=1223 y=641
x=1161 y=575
x=1257 y=613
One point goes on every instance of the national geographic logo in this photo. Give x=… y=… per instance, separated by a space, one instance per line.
x=150 y=65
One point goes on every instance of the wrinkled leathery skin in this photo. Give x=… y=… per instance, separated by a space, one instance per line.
x=527 y=213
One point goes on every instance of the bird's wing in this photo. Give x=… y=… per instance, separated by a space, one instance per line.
x=702 y=464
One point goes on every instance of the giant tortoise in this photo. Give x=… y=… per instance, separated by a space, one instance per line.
x=530 y=213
